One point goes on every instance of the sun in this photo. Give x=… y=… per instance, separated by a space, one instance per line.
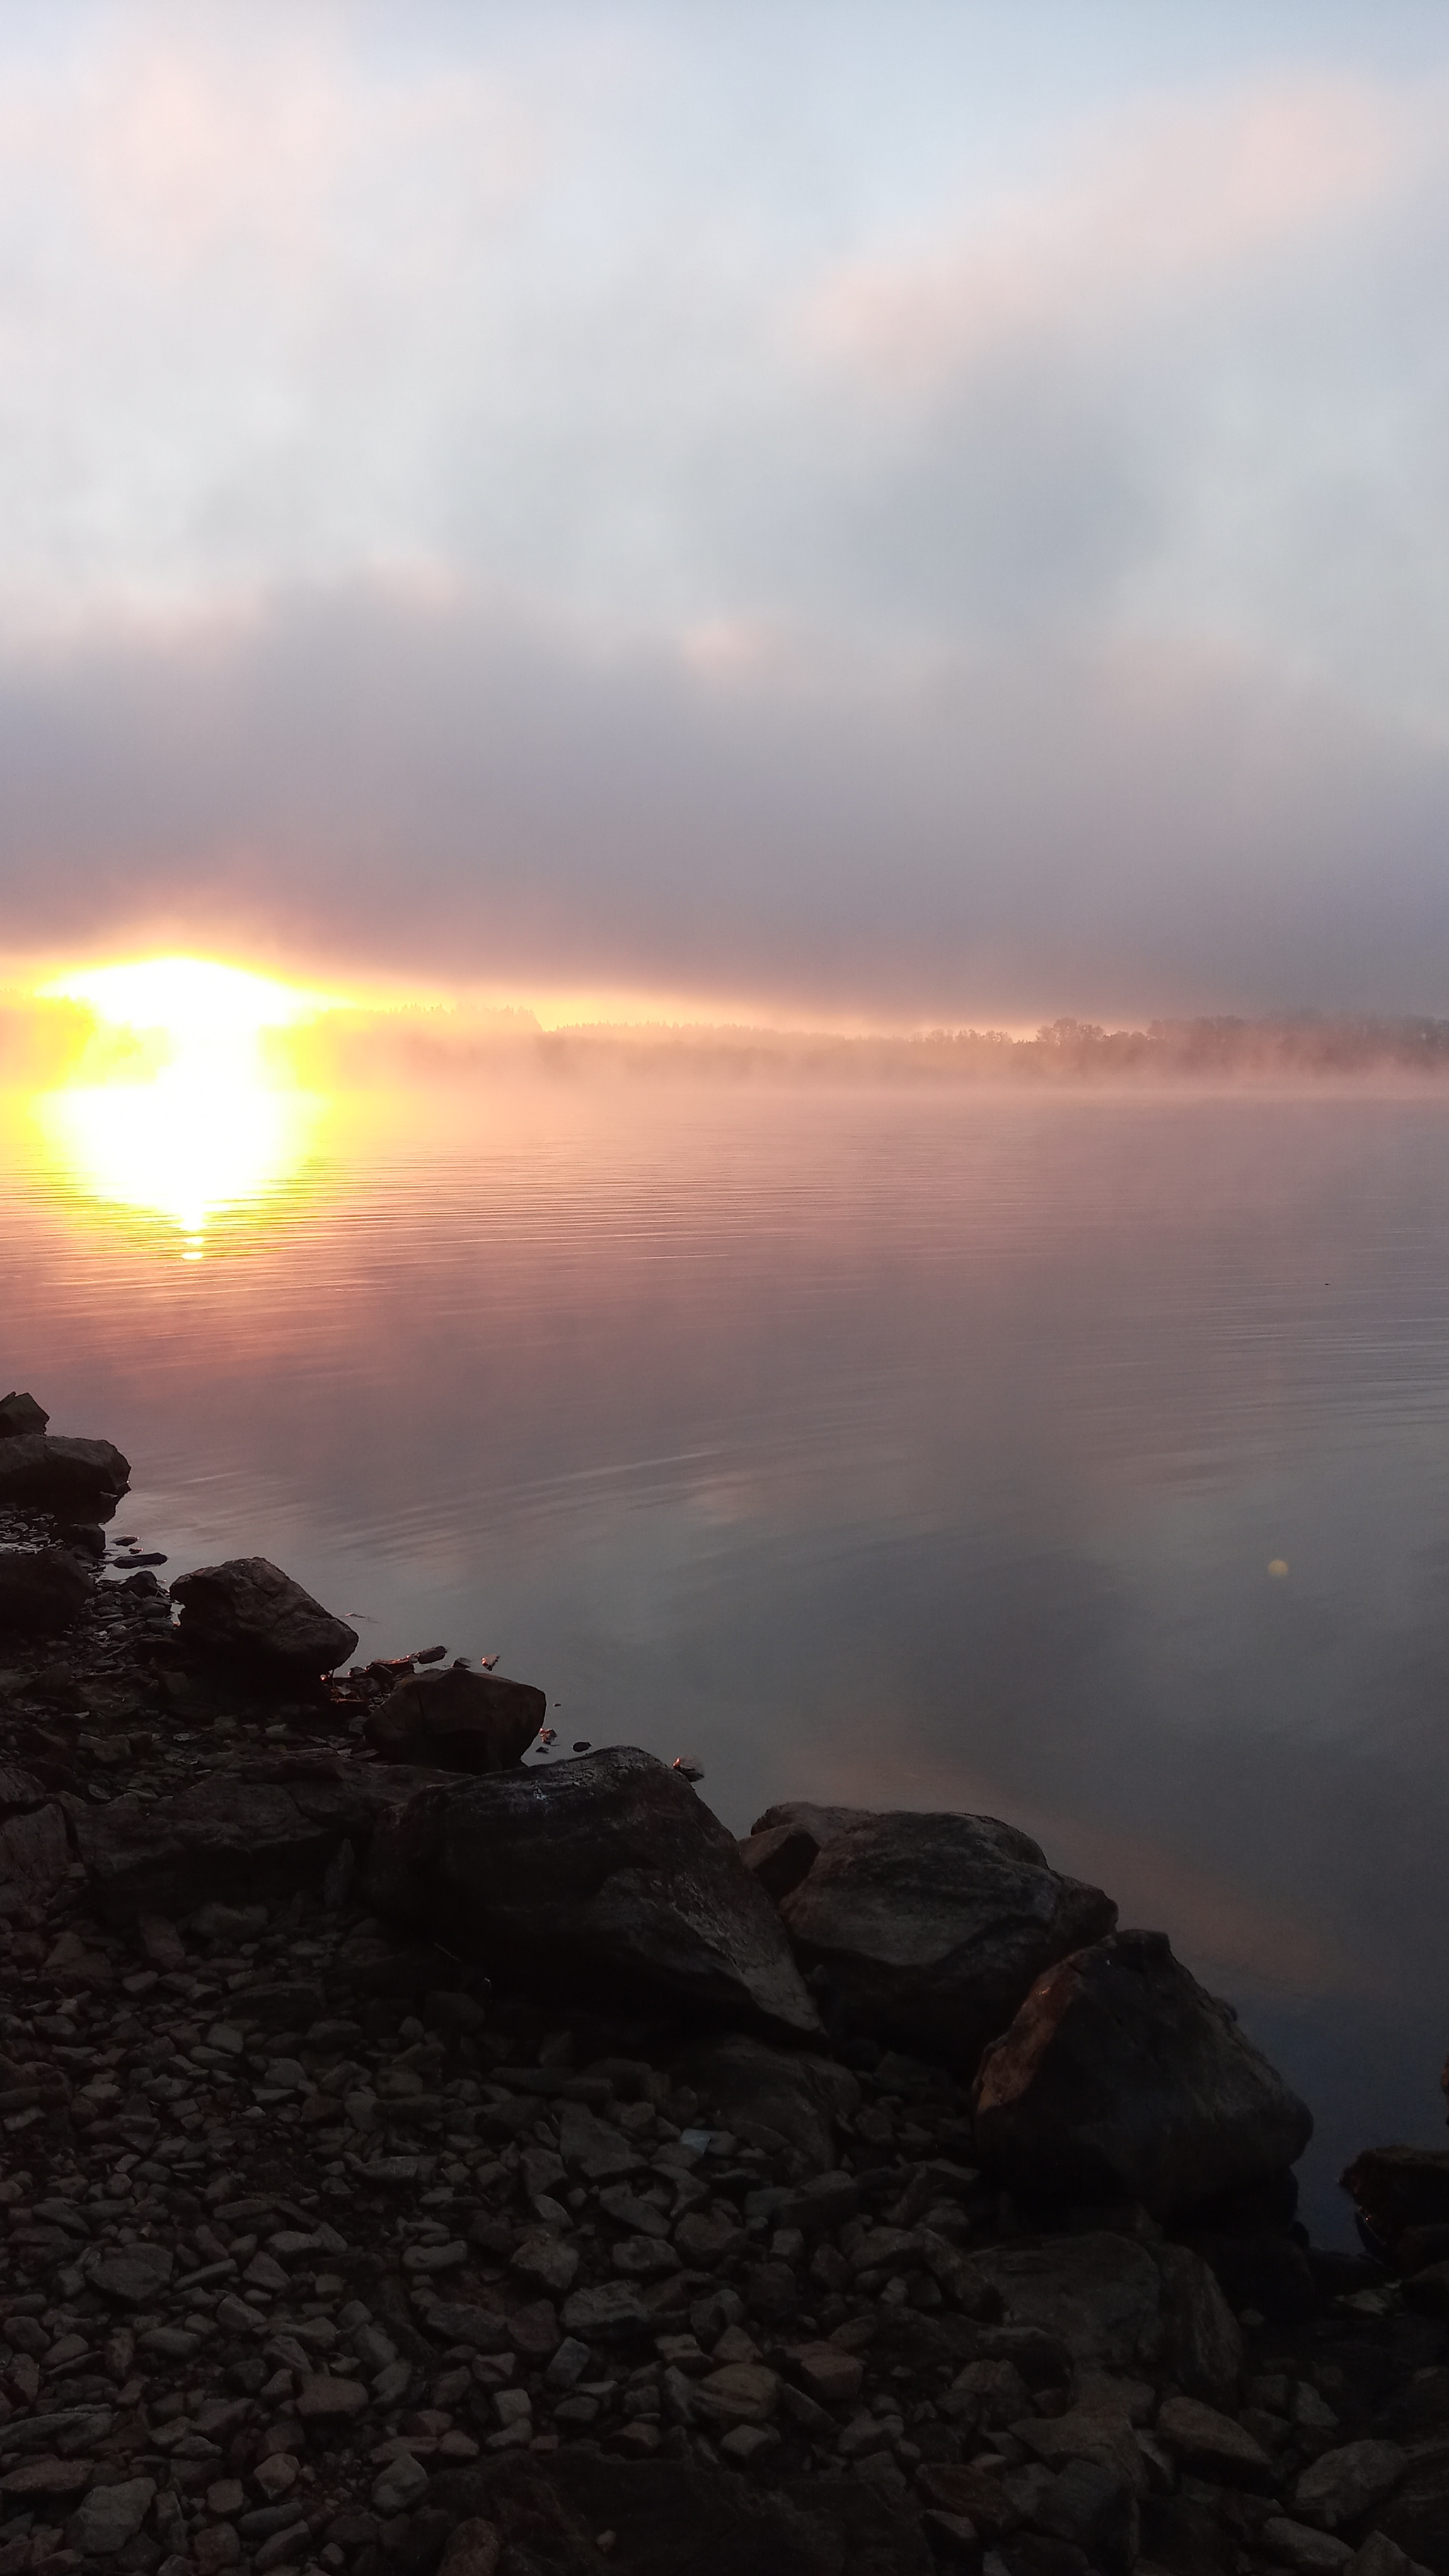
x=193 y=1000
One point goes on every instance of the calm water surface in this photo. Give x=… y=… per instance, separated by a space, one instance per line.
x=920 y=1450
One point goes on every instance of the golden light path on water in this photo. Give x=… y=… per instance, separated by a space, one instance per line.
x=215 y=1127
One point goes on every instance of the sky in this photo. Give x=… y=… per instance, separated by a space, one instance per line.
x=886 y=511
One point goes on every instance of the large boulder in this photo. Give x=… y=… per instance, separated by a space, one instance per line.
x=231 y=1839
x=41 y=1590
x=606 y=1877
x=928 y=1930
x=1122 y=2079
x=459 y=1721
x=249 y=1609
x=20 y=1414
x=70 y=1476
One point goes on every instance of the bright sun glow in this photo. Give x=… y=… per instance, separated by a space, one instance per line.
x=214 y=1128
x=193 y=999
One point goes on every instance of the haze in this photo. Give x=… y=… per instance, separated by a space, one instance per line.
x=886 y=514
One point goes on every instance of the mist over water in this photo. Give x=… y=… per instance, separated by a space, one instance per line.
x=918 y=1447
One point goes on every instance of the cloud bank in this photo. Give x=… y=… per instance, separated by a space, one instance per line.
x=915 y=520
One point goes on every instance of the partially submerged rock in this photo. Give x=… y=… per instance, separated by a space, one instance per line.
x=1121 y=2078
x=58 y=1475
x=606 y=1876
x=42 y=1590
x=250 y=1609
x=929 y=1930
x=457 y=1721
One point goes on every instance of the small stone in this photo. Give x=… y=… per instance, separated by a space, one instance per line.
x=402 y=2484
x=744 y=2392
x=324 y=2399
x=534 y=2331
x=133 y=2275
x=644 y=2258
x=46 y=2476
x=746 y=2442
x=227 y=2496
x=609 y=2314
x=827 y=2373
x=214 y=2549
x=110 y=2517
x=276 y=2475
x=545 y=2260
x=707 y=2238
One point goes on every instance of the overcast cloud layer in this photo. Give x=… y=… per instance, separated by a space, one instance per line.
x=909 y=511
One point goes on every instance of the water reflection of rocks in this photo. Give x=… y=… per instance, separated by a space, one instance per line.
x=415 y=2155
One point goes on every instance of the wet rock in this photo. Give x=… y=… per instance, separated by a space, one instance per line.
x=929 y=1929
x=20 y=1415
x=42 y=1590
x=72 y=1477
x=796 y=2095
x=250 y=1609
x=605 y=1878
x=1123 y=2079
x=457 y=1721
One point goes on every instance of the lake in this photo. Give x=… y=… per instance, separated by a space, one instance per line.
x=909 y=1447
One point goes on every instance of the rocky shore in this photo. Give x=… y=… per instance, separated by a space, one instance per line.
x=411 y=2158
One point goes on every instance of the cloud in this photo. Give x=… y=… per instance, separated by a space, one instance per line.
x=1166 y=200
x=364 y=778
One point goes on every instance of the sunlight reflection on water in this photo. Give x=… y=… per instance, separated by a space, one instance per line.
x=197 y=1139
